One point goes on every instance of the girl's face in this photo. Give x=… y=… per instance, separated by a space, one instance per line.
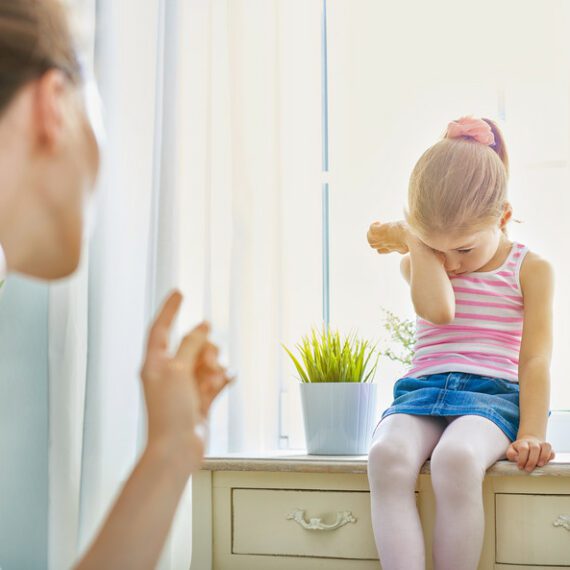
x=467 y=252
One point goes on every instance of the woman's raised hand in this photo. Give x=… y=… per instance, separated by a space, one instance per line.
x=211 y=377
x=179 y=388
x=389 y=236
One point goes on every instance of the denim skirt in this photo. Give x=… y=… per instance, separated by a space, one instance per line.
x=459 y=394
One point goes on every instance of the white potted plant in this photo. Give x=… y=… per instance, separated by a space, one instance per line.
x=337 y=393
x=402 y=333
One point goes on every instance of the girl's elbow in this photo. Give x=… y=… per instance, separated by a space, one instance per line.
x=438 y=317
x=444 y=319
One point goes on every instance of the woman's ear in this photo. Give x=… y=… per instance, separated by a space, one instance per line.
x=51 y=103
x=507 y=215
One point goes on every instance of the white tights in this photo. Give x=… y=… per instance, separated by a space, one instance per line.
x=461 y=449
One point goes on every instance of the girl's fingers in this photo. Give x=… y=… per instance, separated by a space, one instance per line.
x=537 y=454
x=512 y=453
x=533 y=456
x=523 y=451
x=391 y=249
x=545 y=453
x=160 y=329
x=528 y=456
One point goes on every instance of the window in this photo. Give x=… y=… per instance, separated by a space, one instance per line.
x=397 y=76
x=395 y=80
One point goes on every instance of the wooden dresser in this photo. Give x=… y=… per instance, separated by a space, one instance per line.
x=306 y=512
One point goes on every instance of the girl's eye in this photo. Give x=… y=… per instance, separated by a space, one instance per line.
x=465 y=250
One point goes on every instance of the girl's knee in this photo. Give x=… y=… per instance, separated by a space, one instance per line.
x=455 y=462
x=390 y=464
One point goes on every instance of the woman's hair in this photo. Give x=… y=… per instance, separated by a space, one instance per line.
x=459 y=185
x=34 y=37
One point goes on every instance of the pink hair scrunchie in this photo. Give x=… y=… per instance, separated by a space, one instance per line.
x=477 y=129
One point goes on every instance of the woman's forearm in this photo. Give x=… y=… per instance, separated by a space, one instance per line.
x=431 y=290
x=534 y=398
x=137 y=526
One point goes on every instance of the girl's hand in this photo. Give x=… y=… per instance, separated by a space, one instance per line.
x=180 y=387
x=388 y=237
x=530 y=451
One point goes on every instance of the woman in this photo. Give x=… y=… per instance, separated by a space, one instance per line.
x=49 y=159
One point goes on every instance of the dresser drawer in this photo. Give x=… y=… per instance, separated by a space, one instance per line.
x=286 y=522
x=532 y=529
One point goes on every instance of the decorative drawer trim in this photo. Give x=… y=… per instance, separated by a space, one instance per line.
x=563 y=521
x=342 y=518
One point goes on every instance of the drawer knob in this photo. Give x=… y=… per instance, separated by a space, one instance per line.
x=342 y=518
x=563 y=521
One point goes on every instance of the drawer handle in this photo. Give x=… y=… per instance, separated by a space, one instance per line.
x=563 y=521
x=342 y=518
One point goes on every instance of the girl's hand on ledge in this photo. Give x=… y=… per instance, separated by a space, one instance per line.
x=529 y=452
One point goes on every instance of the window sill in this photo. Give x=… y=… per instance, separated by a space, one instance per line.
x=286 y=461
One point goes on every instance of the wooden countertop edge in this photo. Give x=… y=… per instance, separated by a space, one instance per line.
x=358 y=466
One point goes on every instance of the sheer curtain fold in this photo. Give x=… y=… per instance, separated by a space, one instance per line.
x=67 y=358
x=229 y=229
x=189 y=196
x=256 y=186
x=96 y=412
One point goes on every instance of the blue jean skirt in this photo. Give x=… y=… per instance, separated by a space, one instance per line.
x=459 y=394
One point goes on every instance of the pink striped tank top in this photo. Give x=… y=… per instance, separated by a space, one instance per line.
x=485 y=335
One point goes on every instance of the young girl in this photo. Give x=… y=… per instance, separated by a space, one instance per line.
x=484 y=328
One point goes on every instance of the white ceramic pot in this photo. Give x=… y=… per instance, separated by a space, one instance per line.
x=339 y=417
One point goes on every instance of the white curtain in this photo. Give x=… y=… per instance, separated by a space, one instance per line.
x=98 y=319
x=228 y=139
x=250 y=226
x=210 y=182
x=67 y=326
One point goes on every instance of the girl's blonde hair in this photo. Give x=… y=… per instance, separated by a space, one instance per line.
x=459 y=185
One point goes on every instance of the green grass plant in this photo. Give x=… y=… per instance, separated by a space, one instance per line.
x=324 y=356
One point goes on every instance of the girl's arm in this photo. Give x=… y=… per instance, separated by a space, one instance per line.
x=537 y=284
x=431 y=290
x=423 y=269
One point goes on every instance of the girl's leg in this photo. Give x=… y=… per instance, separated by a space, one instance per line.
x=469 y=445
x=401 y=445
